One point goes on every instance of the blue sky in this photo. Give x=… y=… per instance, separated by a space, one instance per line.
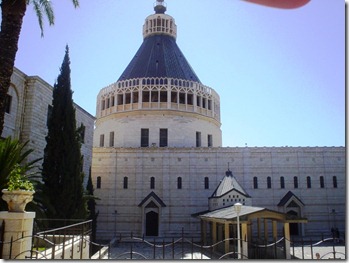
x=280 y=73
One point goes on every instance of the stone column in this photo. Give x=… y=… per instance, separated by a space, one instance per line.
x=203 y=232
x=214 y=234
x=226 y=237
x=244 y=241
x=275 y=230
x=17 y=225
x=287 y=240
x=266 y=229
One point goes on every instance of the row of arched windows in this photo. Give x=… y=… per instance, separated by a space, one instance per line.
x=152 y=182
x=157 y=81
x=156 y=96
x=295 y=182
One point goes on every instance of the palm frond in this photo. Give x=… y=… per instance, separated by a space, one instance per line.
x=41 y=8
x=76 y=3
x=47 y=6
x=38 y=11
x=44 y=8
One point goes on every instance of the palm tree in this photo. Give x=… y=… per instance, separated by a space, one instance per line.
x=12 y=13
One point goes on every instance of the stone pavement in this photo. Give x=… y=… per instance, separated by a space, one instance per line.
x=326 y=252
x=144 y=251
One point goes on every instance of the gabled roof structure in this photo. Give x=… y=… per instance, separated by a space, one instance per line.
x=152 y=196
x=228 y=184
x=247 y=212
x=287 y=197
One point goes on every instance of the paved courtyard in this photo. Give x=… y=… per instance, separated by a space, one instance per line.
x=144 y=251
x=326 y=252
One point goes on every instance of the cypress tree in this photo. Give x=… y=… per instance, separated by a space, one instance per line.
x=91 y=204
x=62 y=166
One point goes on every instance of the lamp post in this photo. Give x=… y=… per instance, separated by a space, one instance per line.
x=237 y=207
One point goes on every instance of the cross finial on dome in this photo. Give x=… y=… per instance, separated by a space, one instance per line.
x=160 y=7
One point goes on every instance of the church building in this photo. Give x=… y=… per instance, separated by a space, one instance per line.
x=28 y=106
x=158 y=160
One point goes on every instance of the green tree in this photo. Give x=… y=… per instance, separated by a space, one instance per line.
x=91 y=204
x=62 y=167
x=12 y=13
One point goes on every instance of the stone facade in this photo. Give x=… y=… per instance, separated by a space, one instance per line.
x=182 y=107
x=158 y=161
x=26 y=118
x=121 y=210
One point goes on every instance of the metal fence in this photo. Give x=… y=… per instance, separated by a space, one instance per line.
x=72 y=241
x=133 y=247
x=129 y=246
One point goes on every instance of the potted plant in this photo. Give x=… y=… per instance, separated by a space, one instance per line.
x=19 y=191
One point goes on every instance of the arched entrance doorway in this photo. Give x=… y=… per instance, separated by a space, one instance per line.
x=152 y=207
x=152 y=224
x=293 y=207
x=294 y=231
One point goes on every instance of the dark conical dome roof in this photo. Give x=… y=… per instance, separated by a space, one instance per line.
x=159 y=56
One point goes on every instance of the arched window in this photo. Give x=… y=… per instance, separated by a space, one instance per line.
x=308 y=182
x=207 y=183
x=322 y=182
x=282 y=182
x=255 y=182
x=99 y=181
x=125 y=182
x=152 y=183
x=334 y=178
x=295 y=182
x=179 y=183
x=268 y=182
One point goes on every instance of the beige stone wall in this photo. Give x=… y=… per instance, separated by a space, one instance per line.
x=182 y=128
x=84 y=118
x=27 y=120
x=13 y=119
x=182 y=107
x=119 y=208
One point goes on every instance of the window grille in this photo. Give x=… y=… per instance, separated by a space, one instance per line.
x=125 y=182
x=144 y=137
x=179 y=183
x=255 y=182
x=198 y=139
x=163 y=138
x=207 y=186
x=101 y=140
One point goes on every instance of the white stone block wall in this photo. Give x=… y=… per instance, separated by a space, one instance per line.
x=27 y=120
x=87 y=120
x=182 y=128
x=13 y=118
x=119 y=210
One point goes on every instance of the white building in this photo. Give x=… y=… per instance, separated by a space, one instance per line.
x=158 y=157
x=28 y=102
